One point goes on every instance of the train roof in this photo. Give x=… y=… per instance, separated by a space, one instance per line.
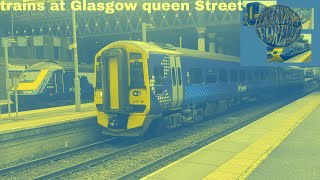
x=45 y=66
x=67 y=66
x=151 y=47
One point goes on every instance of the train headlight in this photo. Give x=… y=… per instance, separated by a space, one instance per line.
x=101 y=94
x=136 y=93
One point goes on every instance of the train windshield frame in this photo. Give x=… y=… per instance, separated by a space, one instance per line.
x=29 y=76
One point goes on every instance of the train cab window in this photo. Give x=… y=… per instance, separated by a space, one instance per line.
x=243 y=76
x=29 y=76
x=223 y=75
x=233 y=75
x=59 y=77
x=159 y=75
x=51 y=80
x=136 y=75
x=211 y=76
x=195 y=75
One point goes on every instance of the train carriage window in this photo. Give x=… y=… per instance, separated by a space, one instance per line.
x=136 y=75
x=211 y=76
x=250 y=76
x=195 y=75
x=223 y=75
x=159 y=75
x=174 y=79
x=233 y=75
x=243 y=76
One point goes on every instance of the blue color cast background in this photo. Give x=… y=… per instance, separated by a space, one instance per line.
x=254 y=53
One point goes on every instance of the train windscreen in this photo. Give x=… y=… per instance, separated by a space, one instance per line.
x=136 y=75
x=29 y=76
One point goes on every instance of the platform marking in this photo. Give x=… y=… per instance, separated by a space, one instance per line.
x=305 y=57
x=243 y=163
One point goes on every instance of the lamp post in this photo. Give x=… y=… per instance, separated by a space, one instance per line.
x=76 y=68
x=6 y=63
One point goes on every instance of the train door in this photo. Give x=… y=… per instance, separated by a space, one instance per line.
x=59 y=82
x=176 y=81
x=115 y=80
x=113 y=83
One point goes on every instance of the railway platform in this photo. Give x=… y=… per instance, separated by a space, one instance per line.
x=42 y=120
x=277 y=146
x=301 y=58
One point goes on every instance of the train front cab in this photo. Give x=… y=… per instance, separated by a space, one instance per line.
x=36 y=84
x=122 y=93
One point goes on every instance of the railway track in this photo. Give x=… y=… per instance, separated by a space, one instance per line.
x=92 y=162
x=142 y=144
x=54 y=157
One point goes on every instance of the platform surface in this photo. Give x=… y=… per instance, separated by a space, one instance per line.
x=237 y=155
x=44 y=117
x=297 y=157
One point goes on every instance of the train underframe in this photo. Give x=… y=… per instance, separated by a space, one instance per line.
x=157 y=124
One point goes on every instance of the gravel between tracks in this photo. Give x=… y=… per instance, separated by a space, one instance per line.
x=68 y=161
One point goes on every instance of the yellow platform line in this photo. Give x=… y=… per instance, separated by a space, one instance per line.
x=243 y=163
x=305 y=57
x=24 y=125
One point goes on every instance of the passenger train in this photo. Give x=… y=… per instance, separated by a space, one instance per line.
x=286 y=53
x=49 y=83
x=142 y=86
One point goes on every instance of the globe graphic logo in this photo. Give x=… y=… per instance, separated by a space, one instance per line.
x=278 y=26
